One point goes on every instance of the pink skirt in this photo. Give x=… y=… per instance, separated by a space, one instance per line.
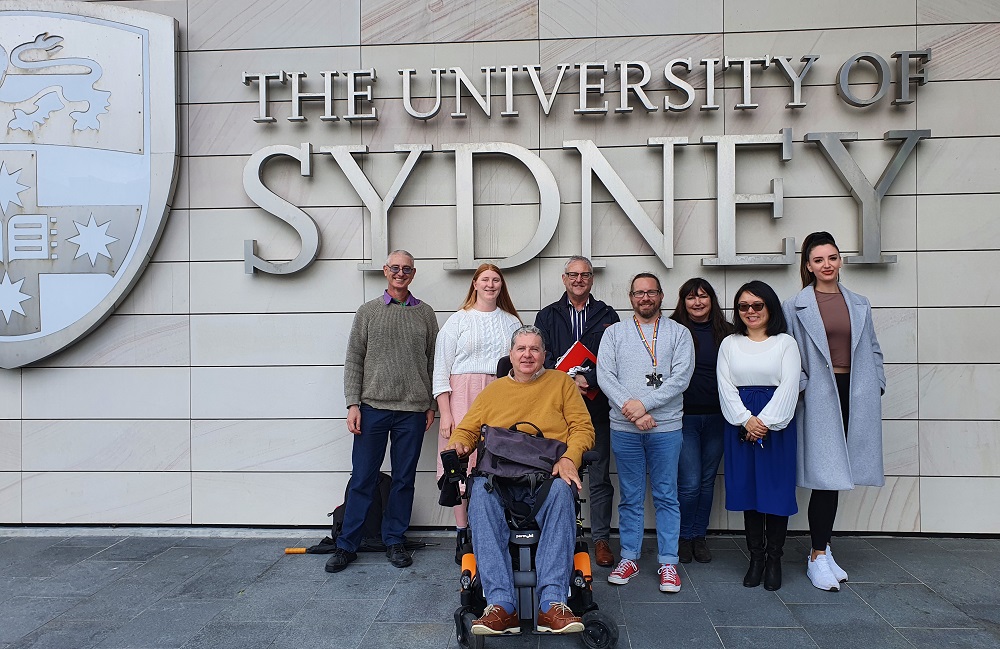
x=464 y=390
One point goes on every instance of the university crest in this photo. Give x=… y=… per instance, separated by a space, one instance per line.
x=87 y=164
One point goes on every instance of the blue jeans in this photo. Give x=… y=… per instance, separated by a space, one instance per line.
x=378 y=427
x=634 y=452
x=699 y=463
x=553 y=560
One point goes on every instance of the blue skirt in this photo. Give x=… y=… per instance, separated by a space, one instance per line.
x=760 y=477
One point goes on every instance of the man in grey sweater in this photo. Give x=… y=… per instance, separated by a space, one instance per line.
x=387 y=386
x=644 y=365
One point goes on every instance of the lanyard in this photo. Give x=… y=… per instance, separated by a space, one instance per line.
x=650 y=349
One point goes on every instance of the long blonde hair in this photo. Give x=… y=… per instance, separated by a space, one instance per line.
x=503 y=299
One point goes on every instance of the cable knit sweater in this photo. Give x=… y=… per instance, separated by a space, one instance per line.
x=471 y=342
x=390 y=356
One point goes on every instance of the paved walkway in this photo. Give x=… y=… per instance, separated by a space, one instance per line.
x=145 y=590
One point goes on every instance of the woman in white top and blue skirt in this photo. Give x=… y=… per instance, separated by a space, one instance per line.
x=758 y=372
x=465 y=361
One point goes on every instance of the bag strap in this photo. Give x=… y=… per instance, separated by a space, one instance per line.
x=540 y=496
x=538 y=431
x=538 y=491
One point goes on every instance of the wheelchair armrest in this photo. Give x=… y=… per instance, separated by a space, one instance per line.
x=589 y=457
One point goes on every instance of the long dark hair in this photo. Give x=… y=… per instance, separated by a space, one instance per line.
x=775 y=317
x=811 y=241
x=720 y=327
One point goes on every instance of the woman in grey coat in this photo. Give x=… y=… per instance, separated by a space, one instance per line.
x=842 y=383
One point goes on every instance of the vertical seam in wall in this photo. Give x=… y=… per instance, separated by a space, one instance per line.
x=20 y=477
x=538 y=152
x=187 y=135
x=726 y=271
x=916 y=272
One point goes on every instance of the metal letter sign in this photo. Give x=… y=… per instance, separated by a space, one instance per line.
x=87 y=165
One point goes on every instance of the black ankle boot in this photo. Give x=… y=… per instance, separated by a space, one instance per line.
x=753 y=522
x=463 y=544
x=772 y=573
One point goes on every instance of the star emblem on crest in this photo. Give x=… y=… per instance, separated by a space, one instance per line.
x=11 y=297
x=9 y=187
x=92 y=239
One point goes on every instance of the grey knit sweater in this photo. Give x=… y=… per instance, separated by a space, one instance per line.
x=623 y=363
x=390 y=356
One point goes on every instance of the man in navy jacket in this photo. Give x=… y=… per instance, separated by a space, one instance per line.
x=577 y=315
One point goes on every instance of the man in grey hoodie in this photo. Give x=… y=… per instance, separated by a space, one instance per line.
x=644 y=365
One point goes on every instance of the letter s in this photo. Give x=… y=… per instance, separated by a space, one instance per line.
x=267 y=200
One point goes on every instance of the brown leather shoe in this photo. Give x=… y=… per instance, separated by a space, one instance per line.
x=559 y=619
x=602 y=550
x=496 y=621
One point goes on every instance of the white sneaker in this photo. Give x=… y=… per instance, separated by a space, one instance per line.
x=837 y=571
x=820 y=574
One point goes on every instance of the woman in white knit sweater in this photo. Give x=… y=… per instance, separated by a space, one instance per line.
x=465 y=361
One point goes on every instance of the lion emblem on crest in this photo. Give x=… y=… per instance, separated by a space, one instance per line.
x=31 y=74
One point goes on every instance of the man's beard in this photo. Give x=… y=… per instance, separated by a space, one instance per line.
x=648 y=311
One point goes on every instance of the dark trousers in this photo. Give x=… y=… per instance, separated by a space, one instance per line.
x=601 y=491
x=823 y=503
x=405 y=431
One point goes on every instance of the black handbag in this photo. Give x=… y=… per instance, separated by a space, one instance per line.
x=512 y=453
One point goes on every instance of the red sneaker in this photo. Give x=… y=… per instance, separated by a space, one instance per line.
x=670 y=581
x=625 y=570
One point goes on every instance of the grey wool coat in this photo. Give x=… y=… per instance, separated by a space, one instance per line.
x=825 y=459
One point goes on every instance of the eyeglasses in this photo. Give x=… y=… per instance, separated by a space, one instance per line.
x=406 y=270
x=652 y=293
x=756 y=306
x=579 y=275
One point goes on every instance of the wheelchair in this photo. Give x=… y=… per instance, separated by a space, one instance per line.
x=600 y=630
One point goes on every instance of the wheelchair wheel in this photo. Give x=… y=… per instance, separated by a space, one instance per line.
x=471 y=641
x=599 y=631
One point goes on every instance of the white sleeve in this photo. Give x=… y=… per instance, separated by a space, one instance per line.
x=445 y=352
x=729 y=395
x=780 y=410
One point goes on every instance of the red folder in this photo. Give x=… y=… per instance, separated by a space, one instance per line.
x=579 y=356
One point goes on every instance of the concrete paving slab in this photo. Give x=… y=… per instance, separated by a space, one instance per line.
x=187 y=591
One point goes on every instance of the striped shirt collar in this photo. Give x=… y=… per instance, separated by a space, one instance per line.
x=578 y=319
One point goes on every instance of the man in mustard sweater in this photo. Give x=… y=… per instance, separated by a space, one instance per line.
x=552 y=401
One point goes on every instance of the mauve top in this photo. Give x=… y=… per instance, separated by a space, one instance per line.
x=837 y=321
